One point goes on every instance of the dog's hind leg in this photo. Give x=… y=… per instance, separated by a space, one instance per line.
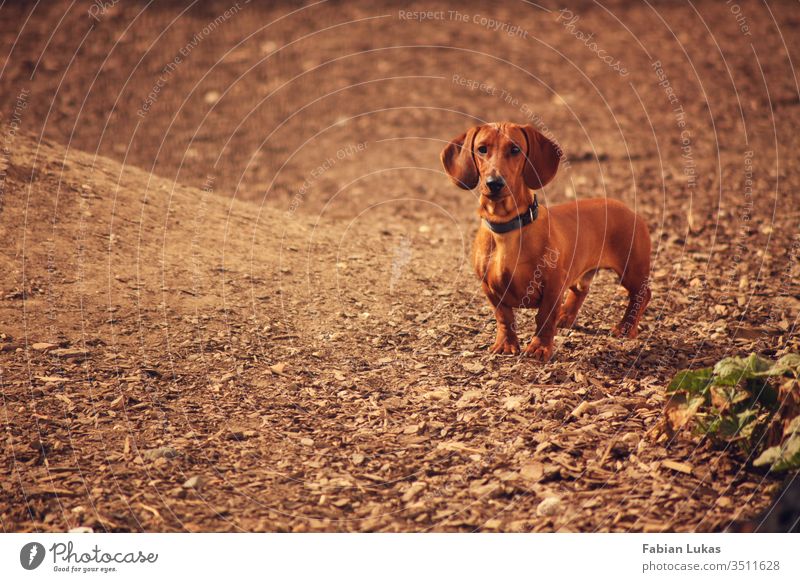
x=638 y=285
x=635 y=277
x=575 y=296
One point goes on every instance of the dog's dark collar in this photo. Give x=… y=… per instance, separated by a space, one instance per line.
x=523 y=219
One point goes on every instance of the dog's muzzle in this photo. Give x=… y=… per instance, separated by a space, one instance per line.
x=495 y=184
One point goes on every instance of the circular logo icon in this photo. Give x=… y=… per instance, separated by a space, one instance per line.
x=31 y=555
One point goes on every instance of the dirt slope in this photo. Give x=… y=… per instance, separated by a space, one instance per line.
x=216 y=367
x=260 y=97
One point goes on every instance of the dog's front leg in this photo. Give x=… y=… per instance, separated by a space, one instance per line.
x=507 y=341
x=541 y=346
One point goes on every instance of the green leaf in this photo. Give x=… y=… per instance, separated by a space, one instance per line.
x=787 y=365
x=784 y=457
x=740 y=396
x=745 y=417
x=708 y=424
x=737 y=402
x=693 y=381
x=748 y=430
x=790 y=456
x=756 y=364
x=768 y=457
x=793 y=427
x=729 y=372
x=732 y=426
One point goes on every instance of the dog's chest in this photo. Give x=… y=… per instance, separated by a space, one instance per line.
x=509 y=281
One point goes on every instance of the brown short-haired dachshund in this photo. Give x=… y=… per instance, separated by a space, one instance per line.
x=530 y=256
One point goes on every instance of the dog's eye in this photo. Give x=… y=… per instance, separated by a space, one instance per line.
x=514 y=150
x=482 y=149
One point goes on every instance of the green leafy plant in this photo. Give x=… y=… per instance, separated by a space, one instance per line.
x=752 y=403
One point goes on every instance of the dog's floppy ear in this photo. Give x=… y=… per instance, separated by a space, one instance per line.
x=542 y=159
x=458 y=161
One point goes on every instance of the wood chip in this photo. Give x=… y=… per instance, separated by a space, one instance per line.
x=677 y=466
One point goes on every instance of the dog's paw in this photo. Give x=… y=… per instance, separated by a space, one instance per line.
x=624 y=330
x=505 y=346
x=538 y=351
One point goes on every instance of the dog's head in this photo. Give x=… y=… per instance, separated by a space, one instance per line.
x=503 y=160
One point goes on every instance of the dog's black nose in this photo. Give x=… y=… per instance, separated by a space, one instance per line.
x=495 y=183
